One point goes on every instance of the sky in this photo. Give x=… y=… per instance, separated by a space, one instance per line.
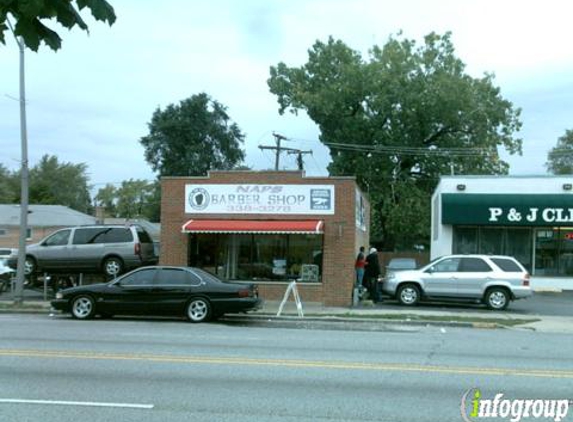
x=91 y=101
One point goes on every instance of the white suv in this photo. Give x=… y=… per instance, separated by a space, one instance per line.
x=493 y=279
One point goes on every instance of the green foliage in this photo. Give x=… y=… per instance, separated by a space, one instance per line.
x=9 y=187
x=106 y=198
x=30 y=16
x=50 y=183
x=560 y=158
x=55 y=183
x=133 y=199
x=397 y=121
x=191 y=138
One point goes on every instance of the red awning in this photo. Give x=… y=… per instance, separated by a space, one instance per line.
x=253 y=226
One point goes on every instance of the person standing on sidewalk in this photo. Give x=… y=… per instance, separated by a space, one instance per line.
x=371 y=274
x=359 y=267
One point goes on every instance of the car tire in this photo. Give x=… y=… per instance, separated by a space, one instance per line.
x=198 y=310
x=497 y=298
x=408 y=294
x=112 y=267
x=30 y=265
x=83 y=307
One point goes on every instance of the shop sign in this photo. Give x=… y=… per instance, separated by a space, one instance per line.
x=507 y=210
x=259 y=199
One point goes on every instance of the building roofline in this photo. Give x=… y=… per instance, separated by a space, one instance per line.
x=260 y=172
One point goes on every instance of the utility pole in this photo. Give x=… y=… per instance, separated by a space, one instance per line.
x=19 y=293
x=278 y=148
x=299 y=160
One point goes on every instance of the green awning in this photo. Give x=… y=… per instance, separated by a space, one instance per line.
x=507 y=209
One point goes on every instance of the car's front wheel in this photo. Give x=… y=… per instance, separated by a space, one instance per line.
x=497 y=298
x=112 y=267
x=409 y=294
x=83 y=307
x=199 y=310
x=30 y=266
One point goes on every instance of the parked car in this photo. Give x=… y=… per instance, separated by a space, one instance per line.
x=160 y=290
x=493 y=280
x=8 y=253
x=400 y=264
x=6 y=275
x=111 y=249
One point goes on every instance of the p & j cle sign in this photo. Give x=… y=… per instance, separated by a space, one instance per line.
x=508 y=210
x=259 y=199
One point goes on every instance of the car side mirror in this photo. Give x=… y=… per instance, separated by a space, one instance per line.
x=431 y=270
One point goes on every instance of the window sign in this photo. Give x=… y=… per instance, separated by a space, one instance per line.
x=360 y=211
x=259 y=199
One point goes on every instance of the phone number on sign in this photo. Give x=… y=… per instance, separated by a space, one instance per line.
x=259 y=208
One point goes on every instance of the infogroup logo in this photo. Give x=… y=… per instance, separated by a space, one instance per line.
x=474 y=407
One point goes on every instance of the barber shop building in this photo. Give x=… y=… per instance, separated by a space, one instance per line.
x=268 y=227
x=529 y=218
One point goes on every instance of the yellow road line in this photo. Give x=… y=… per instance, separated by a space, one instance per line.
x=217 y=360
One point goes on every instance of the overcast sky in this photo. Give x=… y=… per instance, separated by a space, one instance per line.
x=91 y=101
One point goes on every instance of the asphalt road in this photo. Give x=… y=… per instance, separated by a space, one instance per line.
x=59 y=369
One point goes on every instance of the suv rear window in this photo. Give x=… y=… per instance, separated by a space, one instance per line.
x=88 y=236
x=117 y=235
x=507 y=265
x=474 y=265
x=143 y=236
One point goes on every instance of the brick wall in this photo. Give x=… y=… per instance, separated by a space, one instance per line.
x=341 y=237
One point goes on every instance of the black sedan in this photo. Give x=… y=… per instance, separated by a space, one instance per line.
x=160 y=290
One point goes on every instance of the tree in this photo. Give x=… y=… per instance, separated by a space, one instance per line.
x=30 y=16
x=560 y=158
x=397 y=121
x=106 y=197
x=8 y=186
x=55 y=183
x=192 y=138
x=133 y=199
x=133 y=196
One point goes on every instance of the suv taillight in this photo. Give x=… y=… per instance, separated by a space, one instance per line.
x=137 y=249
x=526 y=280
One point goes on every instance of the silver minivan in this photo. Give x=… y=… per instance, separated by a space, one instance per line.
x=111 y=249
x=492 y=279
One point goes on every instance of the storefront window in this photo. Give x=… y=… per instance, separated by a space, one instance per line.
x=519 y=245
x=554 y=252
x=514 y=242
x=491 y=241
x=546 y=252
x=272 y=257
x=465 y=240
x=566 y=252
